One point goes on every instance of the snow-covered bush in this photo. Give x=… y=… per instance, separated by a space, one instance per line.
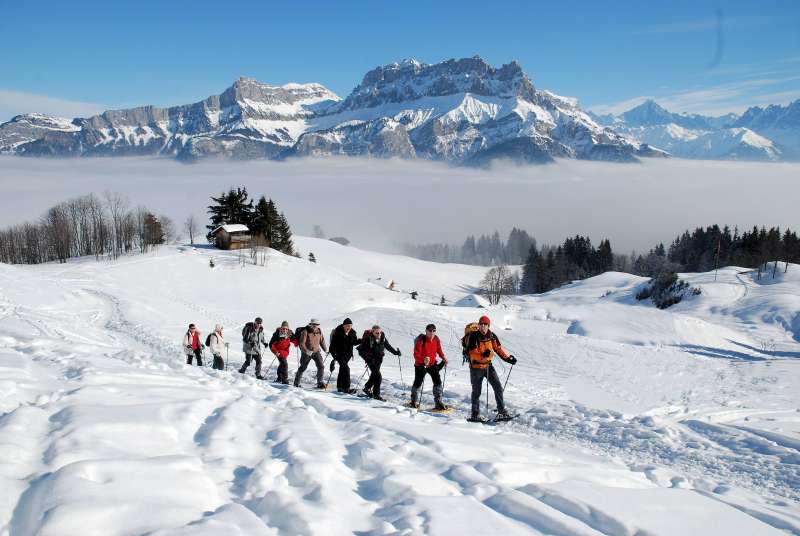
x=666 y=289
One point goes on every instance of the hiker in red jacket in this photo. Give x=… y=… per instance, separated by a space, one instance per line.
x=280 y=344
x=427 y=347
x=192 y=346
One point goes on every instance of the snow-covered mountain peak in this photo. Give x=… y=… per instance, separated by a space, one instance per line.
x=411 y=80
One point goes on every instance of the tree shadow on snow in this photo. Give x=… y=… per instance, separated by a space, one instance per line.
x=773 y=353
x=723 y=353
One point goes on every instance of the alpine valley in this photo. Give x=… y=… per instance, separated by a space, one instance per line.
x=463 y=112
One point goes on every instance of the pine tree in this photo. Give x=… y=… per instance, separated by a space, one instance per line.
x=312 y=258
x=530 y=276
x=264 y=221
x=233 y=206
x=283 y=236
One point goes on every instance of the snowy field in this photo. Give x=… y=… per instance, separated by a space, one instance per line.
x=633 y=421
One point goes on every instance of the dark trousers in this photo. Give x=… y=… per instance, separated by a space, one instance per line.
x=198 y=354
x=419 y=377
x=477 y=376
x=283 y=370
x=375 y=378
x=219 y=364
x=343 y=379
x=247 y=359
x=305 y=359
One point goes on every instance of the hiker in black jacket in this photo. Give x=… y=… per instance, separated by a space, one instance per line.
x=372 y=348
x=343 y=339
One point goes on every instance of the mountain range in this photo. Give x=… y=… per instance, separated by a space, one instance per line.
x=767 y=134
x=460 y=111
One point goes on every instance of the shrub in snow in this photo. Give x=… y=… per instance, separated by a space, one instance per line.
x=340 y=240
x=666 y=289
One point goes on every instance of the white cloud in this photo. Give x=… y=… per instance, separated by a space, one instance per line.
x=718 y=99
x=17 y=102
x=377 y=203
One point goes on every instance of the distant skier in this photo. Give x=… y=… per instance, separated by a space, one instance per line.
x=480 y=347
x=442 y=301
x=253 y=343
x=192 y=346
x=343 y=339
x=280 y=344
x=372 y=348
x=414 y=294
x=216 y=343
x=311 y=342
x=427 y=347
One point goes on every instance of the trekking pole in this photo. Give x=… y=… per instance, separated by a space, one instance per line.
x=362 y=377
x=266 y=374
x=507 y=377
x=487 y=392
x=400 y=364
x=227 y=355
x=329 y=375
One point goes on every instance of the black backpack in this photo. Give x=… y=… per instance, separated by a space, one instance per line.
x=298 y=332
x=208 y=339
x=248 y=330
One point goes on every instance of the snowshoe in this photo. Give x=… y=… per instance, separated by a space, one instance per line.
x=379 y=398
x=367 y=392
x=259 y=377
x=441 y=408
x=504 y=416
x=322 y=386
x=412 y=405
x=476 y=418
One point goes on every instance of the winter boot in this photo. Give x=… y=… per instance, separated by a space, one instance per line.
x=321 y=385
x=367 y=392
x=439 y=406
x=475 y=417
x=379 y=398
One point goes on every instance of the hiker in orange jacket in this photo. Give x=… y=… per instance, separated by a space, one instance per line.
x=481 y=347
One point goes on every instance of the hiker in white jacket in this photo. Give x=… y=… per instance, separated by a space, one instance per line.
x=217 y=345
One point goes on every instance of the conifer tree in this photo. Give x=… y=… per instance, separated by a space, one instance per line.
x=233 y=206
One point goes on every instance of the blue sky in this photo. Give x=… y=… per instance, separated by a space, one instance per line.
x=75 y=58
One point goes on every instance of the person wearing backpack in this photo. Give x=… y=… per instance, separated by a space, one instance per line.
x=216 y=343
x=311 y=342
x=343 y=339
x=280 y=344
x=480 y=347
x=192 y=346
x=372 y=348
x=427 y=347
x=253 y=343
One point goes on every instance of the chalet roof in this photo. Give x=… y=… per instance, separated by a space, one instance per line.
x=232 y=228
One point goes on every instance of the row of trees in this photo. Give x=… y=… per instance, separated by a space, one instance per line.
x=484 y=250
x=88 y=225
x=267 y=224
x=576 y=258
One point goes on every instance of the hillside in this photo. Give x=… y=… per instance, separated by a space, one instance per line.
x=632 y=420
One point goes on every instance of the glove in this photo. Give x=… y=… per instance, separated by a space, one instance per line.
x=427 y=361
x=333 y=365
x=399 y=353
x=512 y=360
x=486 y=353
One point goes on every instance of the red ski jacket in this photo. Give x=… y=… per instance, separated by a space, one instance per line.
x=427 y=348
x=281 y=346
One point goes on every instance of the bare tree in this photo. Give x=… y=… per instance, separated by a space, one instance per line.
x=498 y=282
x=191 y=227
x=168 y=228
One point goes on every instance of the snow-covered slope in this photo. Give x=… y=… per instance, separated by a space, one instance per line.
x=633 y=420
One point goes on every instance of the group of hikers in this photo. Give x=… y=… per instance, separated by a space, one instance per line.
x=479 y=346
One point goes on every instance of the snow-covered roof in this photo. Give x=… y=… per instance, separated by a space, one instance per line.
x=232 y=228
x=472 y=300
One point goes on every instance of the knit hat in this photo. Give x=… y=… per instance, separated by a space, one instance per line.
x=347 y=321
x=313 y=322
x=258 y=320
x=284 y=324
x=485 y=320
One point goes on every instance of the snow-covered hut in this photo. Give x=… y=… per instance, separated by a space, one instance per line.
x=473 y=300
x=231 y=236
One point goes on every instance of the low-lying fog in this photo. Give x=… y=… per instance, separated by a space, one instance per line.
x=380 y=203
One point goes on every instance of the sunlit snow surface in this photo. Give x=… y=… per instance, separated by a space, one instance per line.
x=633 y=420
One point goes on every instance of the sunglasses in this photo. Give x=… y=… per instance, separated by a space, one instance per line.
x=431 y=330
